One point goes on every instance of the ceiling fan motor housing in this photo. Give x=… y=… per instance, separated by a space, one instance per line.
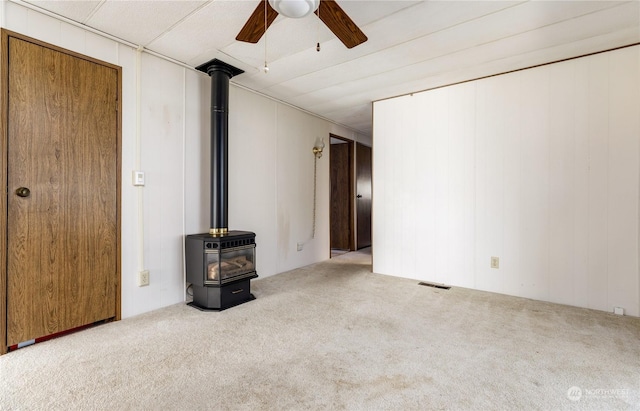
x=295 y=8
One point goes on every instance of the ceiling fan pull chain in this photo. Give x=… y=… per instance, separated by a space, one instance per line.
x=265 y=68
x=318 y=31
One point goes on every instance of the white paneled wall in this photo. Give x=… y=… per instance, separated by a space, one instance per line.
x=252 y=174
x=165 y=132
x=539 y=168
x=162 y=121
x=297 y=133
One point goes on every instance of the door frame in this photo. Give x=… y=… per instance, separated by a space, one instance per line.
x=352 y=236
x=4 y=110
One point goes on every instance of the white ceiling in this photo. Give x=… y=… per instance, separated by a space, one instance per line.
x=412 y=46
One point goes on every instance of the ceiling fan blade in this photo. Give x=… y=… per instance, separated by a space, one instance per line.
x=254 y=28
x=340 y=24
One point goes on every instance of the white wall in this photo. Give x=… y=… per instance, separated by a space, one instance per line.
x=165 y=132
x=539 y=168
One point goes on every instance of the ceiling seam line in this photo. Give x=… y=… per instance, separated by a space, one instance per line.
x=196 y=10
x=277 y=100
x=510 y=71
x=94 y=11
x=404 y=42
x=441 y=55
x=497 y=74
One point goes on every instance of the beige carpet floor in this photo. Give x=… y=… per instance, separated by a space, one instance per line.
x=335 y=336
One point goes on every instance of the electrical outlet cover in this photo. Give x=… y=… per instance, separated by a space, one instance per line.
x=143 y=278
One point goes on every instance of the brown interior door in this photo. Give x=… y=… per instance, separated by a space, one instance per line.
x=341 y=196
x=363 y=195
x=62 y=191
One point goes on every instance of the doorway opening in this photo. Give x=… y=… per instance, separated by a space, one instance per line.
x=350 y=196
x=342 y=233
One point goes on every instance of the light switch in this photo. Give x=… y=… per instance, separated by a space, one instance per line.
x=138 y=178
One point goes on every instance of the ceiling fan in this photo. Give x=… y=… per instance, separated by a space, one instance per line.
x=328 y=11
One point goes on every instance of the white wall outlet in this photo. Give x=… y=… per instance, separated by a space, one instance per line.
x=143 y=278
x=138 y=178
x=300 y=246
x=495 y=262
x=618 y=310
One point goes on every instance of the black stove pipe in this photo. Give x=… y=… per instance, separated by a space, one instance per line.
x=220 y=74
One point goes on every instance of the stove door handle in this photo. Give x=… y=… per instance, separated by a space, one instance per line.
x=237 y=291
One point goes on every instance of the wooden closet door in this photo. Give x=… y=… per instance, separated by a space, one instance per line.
x=341 y=197
x=63 y=237
x=363 y=188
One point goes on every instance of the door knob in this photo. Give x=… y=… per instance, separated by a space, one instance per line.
x=359 y=196
x=23 y=192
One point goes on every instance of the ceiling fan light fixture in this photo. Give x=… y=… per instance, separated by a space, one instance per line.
x=295 y=8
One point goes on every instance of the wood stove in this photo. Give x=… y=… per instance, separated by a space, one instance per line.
x=220 y=268
x=221 y=263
